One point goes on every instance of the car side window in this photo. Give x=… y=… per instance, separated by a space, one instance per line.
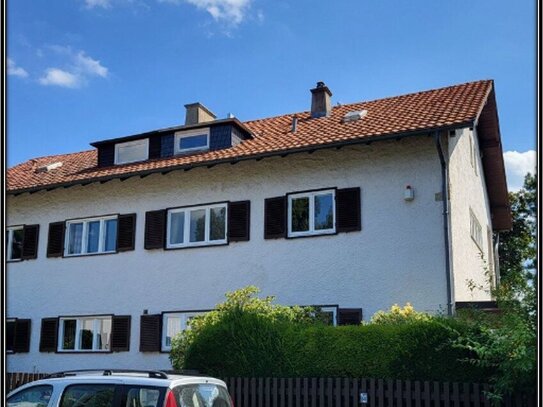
x=36 y=396
x=88 y=395
x=138 y=396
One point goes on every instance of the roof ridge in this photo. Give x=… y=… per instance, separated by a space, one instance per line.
x=375 y=100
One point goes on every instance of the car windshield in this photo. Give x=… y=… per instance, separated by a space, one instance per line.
x=202 y=395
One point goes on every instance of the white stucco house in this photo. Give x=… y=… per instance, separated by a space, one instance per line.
x=353 y=207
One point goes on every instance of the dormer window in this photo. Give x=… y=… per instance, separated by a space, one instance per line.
x=132 y=151
x=193 y=140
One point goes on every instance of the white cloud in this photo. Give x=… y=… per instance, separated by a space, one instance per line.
x=77 y=68
x=58 y=77
x=98 y=3
x=517 y=165
x=15 y=70
x=230 y=11
x=90 y=66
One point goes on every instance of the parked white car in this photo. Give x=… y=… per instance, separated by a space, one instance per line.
x=121 y=388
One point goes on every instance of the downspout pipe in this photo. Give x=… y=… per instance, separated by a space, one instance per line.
x=445 y=198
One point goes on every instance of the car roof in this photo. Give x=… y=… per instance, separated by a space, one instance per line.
x=171 y=381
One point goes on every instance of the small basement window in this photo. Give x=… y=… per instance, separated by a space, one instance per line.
x=132 y=151
x=84 y=334
x=173 y=323
x=91 y=236
x=312 y=213
x=197 y=226
x=193 y=140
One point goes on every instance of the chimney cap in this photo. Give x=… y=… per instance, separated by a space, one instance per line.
x=321 y=87
x=201 y=106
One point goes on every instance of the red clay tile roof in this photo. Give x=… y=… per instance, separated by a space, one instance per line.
x=434 y=109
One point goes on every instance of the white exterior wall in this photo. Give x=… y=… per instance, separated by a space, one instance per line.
x=468 y=190
x=397 y=257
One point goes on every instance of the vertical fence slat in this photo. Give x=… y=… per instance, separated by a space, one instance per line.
x=409 y=393
x=313 y=392
x=455 y=395
x=337 y=392
x=322 y=401
x=476 y=395
x=486 y=401
x=466 y=394
x=446 y=395
x=346 y=392
x=260 y=390
x=426 y=394
x=417 y=394
x=381 y=392
x=305 y=393
x=355 y=397
x=371 y=394
x=267 y=397
x=275 y=397
x=399 y=393
x=298 y=391
x=389 y=393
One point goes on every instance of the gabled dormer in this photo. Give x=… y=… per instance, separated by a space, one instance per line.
x=201 y=132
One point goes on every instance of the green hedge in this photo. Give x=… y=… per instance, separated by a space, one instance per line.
x=246 y=344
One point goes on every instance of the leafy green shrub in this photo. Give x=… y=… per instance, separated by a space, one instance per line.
x=399 y=315
x=248 y=336
x=239 y=302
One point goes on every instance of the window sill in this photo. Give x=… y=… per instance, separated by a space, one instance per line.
x=311 y=234
x=195 y=246
x=88 y=254
x=82 y=351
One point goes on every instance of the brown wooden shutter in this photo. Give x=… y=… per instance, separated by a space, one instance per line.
x=349 y=316
x=21 y=341
x=275 y=217
x=348 y=210
x=126 y=232
x=30 y=241
x=55 y=239
x=48 y=335
x=155 y=229
x=239 y=215
x=150 y=333
x=120 y=333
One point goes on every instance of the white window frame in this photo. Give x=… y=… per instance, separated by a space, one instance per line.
x=190 y=133
x=84 y=238
x=311 y=195
x=476 y=230
x=144 y=141
x=10 y=230
x=184 y=317
x=79 y=320
x=186 y=230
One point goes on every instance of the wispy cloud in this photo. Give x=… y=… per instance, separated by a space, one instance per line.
x=15 y=70
x=232 y=12
x=98 y=3
x=517 y=165
x=77 y=70
x=58 y=77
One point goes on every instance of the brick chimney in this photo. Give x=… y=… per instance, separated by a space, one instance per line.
x=198 y=113
x=321 y=103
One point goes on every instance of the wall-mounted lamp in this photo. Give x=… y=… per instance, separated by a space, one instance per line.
x=409 y=193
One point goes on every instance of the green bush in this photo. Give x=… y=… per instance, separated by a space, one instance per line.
x=240 y=341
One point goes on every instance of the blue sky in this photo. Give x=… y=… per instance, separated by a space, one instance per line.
x=86 y=70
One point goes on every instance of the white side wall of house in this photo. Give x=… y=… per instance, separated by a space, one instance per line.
x=397 y=257
x=468 y=192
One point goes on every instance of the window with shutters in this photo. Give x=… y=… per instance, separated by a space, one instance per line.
x=173 y=323
x=311 y=213
x=14 y=243
x=132 y=151
x=84 y=334
x=91 y=236
x=197 y=226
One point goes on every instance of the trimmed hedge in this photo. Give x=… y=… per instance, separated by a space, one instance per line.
x=246 y=344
